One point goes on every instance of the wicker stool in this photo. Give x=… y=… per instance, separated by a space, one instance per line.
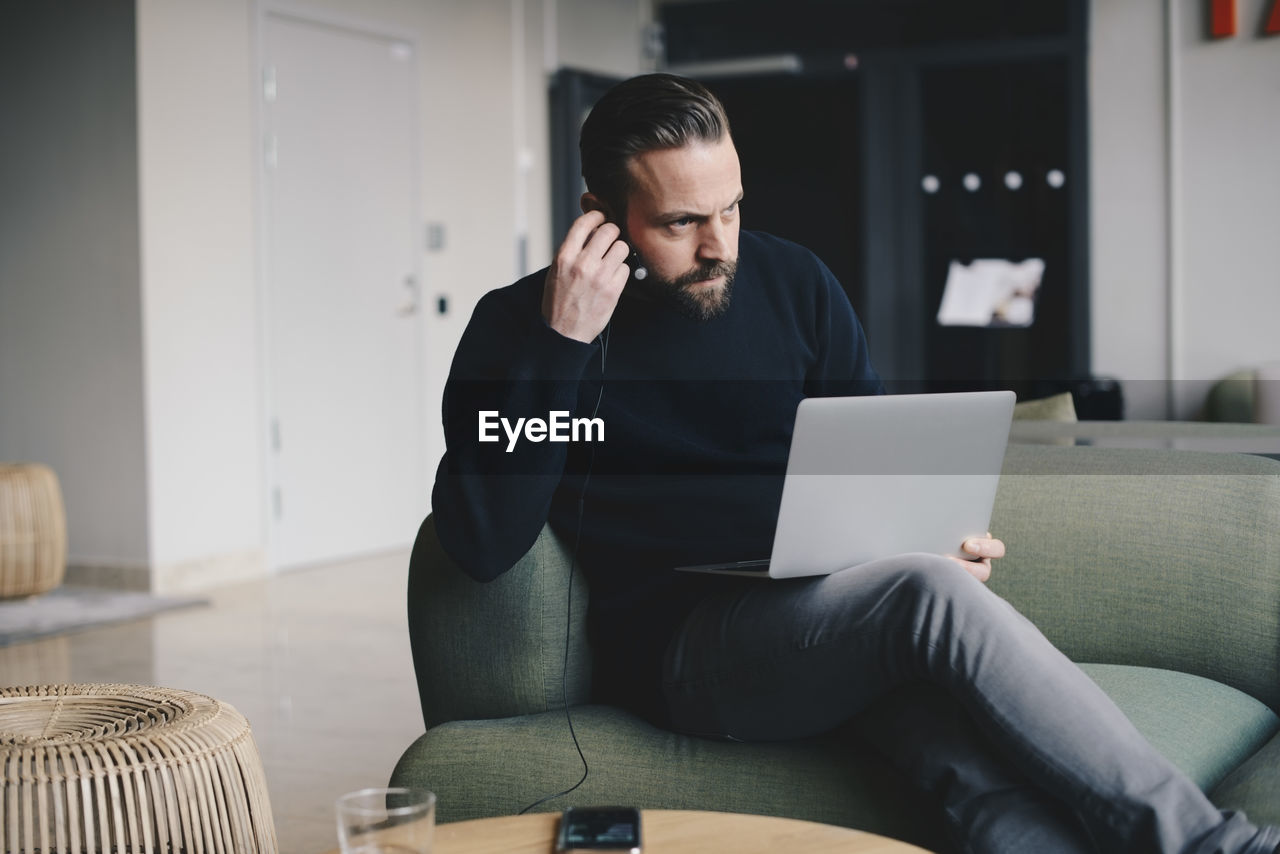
x=128 y=768
x=33 y=530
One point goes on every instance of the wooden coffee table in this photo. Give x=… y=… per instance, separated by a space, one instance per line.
x=670 y=832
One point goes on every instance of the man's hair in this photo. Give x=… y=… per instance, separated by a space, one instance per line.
x=645 y=113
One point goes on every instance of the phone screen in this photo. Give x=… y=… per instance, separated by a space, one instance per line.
x=600 y=829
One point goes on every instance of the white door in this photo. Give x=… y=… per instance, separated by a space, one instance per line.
x=340 y=260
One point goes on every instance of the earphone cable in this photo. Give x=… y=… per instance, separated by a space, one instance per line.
x=568 y=619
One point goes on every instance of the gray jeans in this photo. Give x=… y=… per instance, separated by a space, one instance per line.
x=1023 y=750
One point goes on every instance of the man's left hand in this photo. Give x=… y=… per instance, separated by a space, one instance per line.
x=984 y=550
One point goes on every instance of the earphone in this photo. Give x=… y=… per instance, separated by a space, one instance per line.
x=638 y=270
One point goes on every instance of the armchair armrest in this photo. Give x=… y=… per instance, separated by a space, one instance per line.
x=1158 y=558
x=496 y=649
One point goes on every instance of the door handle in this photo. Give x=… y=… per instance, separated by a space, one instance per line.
x=409 y=307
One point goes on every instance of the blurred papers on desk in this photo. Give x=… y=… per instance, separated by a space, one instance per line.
x=991 y=292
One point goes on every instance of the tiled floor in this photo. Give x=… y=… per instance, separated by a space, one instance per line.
x=317 y=660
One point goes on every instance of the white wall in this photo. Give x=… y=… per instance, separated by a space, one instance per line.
x=199 y=292
x=1229 y=211
x=71 y=362
x=603 y=36
x=1184 y=199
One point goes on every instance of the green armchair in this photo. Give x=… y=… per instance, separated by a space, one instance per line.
x=1161 y=569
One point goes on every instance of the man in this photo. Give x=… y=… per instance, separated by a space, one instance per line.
x=695 y=370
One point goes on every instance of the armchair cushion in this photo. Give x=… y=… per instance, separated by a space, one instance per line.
x=1202 y=726
x=1058 y=407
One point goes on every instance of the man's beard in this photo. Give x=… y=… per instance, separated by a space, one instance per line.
x=701 y=303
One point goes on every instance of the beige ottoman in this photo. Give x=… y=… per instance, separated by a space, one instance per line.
x=33 y=530
x=128 y=768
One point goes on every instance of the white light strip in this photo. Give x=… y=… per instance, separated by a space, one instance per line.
x=785 y=63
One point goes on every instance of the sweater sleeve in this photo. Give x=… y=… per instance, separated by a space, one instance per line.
x=843 y=366
x=491 y=498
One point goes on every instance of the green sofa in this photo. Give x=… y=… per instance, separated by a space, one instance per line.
x=1159 y=568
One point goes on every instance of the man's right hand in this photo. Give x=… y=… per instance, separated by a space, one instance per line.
x=586 y=278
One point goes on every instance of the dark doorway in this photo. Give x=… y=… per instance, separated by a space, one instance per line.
x=798 y=140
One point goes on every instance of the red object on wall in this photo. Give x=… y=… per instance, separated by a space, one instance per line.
x=1273 y=21
x=1222 y=19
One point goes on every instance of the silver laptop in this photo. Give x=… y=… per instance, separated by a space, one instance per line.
x=869 y=477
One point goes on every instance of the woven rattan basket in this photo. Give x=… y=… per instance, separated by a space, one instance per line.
x=128 y=768
x=33 y=530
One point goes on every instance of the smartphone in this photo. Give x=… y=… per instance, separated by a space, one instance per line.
x=638 y=271
x=599 y=829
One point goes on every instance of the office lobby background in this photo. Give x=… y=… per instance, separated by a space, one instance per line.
x=133 y=327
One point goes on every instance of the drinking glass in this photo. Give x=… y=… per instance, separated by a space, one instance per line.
x=386 y=821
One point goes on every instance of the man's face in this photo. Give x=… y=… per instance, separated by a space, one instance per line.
x=682 y=222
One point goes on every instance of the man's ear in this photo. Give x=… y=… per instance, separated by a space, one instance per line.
x=591 y=202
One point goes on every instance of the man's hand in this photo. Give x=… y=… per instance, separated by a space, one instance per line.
x=586 y=278
x=984 y=550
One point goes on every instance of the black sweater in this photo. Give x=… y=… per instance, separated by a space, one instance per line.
x=697 y=424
